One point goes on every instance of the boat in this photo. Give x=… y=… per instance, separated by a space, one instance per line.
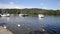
x=23 y=15
x=40 y=15
x=4 y=15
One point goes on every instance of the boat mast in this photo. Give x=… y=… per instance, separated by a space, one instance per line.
x=2 y=11
x=21 y=11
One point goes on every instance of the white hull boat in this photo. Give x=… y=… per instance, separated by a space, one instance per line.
x=4 y=15
x=23 y=15
x=41 y=16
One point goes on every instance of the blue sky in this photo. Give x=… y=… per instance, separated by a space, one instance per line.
x=44 y=4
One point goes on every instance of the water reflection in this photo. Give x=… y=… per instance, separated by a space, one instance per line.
x=25 y=24
x=31 y=25
x=2 y=24
x=42 y=21
x=8 y=18
x=40 y=18
x=38 y=32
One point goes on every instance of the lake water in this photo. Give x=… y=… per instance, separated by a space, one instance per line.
x=32 y=24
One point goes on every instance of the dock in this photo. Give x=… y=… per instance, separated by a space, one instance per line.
x=4 y=31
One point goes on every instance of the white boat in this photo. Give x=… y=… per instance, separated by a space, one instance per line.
x=4 y=15
x=23 y=15
x=40 y=15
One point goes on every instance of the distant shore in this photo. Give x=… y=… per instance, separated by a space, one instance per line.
x=33 y=11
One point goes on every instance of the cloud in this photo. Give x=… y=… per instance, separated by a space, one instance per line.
x=11 y=5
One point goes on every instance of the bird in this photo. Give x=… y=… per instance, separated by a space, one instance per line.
x=19 y=25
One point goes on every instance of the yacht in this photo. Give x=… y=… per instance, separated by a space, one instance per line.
x=22 y=15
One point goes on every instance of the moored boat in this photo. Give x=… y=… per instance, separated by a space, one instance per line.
x=40 y=15
x=23 y=15
x=4 y=15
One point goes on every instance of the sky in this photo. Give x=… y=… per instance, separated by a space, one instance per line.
x=21 y=4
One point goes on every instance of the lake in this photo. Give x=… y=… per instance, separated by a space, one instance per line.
x=29 y=25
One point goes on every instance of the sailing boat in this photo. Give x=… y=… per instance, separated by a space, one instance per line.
x=4 y=14
x=23 y=14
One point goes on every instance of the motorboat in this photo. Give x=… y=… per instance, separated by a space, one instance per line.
x=4 y=15
x=40 y=15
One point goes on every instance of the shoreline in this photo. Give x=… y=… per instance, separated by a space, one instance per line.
x=4 y=31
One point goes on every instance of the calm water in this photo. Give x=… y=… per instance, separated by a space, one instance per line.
x=29 y=24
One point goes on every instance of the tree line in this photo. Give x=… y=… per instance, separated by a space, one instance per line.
x=33 y=11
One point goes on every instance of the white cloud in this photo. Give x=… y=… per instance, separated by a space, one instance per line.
x=11 y=5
